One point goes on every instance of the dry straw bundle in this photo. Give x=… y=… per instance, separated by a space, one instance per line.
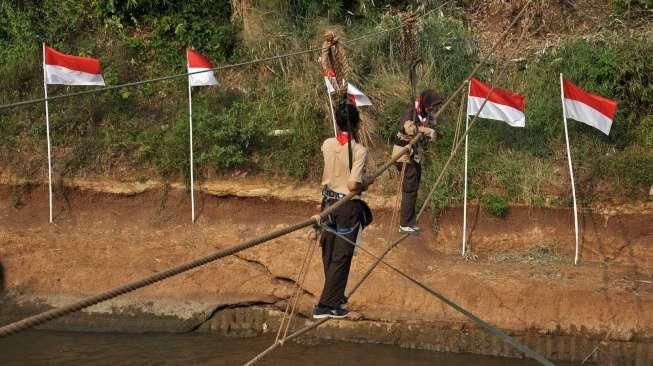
x=409 y=44
x=334 y=57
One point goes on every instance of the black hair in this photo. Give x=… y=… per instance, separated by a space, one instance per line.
x=346 y=111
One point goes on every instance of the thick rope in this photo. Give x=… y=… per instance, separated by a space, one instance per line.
x=487 y=326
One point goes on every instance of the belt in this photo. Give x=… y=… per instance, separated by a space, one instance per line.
x=329 y=194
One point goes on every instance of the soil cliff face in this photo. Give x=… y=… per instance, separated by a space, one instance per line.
x=524 y=281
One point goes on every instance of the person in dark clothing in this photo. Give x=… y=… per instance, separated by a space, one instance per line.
x=417 y=118
x=340 y=177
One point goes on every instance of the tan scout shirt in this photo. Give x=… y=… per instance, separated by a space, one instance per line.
x=336 y=164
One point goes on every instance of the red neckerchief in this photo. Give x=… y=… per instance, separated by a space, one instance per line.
x=342 y=137
x=422 y=120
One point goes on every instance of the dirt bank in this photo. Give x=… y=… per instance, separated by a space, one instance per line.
x=523 y=282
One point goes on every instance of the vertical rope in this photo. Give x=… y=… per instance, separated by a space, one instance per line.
x=300 y=286
x=458 y=122
x=397 y=203
x=286 y=319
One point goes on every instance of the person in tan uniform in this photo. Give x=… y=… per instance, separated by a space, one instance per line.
x=345 y=161
x=417 y=118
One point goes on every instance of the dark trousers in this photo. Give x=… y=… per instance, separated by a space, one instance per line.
x=409 y=188
x=337 y=253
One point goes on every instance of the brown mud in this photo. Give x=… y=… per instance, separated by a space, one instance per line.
x=524 y=281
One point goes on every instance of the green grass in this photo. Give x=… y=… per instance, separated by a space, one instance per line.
x=145 y=129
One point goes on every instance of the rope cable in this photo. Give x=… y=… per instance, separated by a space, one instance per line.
x=458 y=122
x=301 y=280
x=487 y=326
x=218 y=68
x=397 y=203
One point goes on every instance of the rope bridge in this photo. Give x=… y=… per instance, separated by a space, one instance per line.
x=315 y=220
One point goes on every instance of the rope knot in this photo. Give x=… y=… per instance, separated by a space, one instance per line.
x=331 y=38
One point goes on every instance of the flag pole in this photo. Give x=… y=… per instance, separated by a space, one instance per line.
x=190 y=126
x=571 y=171
x=333 y=116
x=465 y=189
x=47 y=132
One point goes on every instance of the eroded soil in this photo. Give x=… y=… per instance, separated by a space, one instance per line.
x=524 y=278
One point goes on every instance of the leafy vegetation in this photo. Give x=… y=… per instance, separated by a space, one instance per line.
x=622 y=7
x=495 y=205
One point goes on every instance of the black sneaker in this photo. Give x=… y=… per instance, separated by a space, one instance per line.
x=323 y=312
x=343 y=303
x=412 y=230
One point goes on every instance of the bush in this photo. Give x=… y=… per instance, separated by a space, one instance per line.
x=221 y=139
x=495 y=205
x=622 y=7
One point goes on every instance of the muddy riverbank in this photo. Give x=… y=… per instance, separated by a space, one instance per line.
x=523 y=282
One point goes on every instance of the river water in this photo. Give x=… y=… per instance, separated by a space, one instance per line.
x=71 y=348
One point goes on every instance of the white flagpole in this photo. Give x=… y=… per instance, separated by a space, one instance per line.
x=571 y=171
x=333 y=115
x=190 y=124
x=47 y=132
x=465 y=195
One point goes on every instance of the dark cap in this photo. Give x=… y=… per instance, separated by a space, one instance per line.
x=430 y=97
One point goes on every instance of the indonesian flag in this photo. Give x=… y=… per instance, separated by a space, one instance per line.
x=354 y=95
x=501 y=105
x=70 y=70
x=197 y=62
x=329 y=80
x=588 y=108
x=357 y=97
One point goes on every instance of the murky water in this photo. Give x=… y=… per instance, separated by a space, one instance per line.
x=70 y=348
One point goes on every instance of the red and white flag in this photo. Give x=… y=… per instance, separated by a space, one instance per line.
x=71 y=70
x=196 y=62
x=353 y=93
x=329 y=80
x=588 y=108
x=357 y=97
x=501 y=105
